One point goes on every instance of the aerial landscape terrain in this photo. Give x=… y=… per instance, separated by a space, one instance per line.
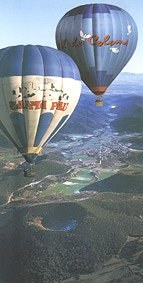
x=79 y=218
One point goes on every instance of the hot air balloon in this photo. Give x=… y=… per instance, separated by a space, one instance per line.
x=101 y=39
x=39 y=89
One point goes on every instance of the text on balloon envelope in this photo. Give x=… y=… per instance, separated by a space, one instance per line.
x=36 y=105
x=92 y=40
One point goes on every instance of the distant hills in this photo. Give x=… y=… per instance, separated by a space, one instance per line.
x=122 y=78
x=126 y=77
x=127 y=96
x=122 y=108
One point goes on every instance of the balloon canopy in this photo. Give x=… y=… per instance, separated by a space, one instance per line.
x=39 y=89
x=101 y=39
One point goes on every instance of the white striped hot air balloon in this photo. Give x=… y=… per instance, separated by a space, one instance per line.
x=39 y=89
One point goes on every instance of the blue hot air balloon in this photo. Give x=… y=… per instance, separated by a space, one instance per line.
x=39 y=89
x=101 y=39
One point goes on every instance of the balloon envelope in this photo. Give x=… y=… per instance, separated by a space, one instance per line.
x=101 y=38
x=39 y=89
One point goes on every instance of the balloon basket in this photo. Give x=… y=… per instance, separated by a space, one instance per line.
x=99 y=102
x=28 y=172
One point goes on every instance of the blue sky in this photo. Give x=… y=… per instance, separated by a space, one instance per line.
x=35 y=21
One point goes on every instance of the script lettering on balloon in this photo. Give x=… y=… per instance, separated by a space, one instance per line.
x=92 y=40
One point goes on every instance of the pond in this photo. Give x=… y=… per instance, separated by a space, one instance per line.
x=63 y=217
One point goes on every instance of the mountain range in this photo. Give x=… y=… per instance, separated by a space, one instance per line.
x=122 y=78
x=123 y=109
